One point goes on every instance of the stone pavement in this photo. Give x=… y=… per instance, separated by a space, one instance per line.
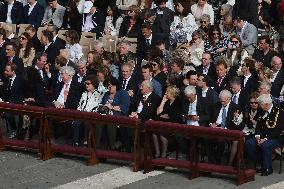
x=23 y=170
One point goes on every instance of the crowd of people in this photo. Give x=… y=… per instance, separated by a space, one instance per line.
x=194 y=64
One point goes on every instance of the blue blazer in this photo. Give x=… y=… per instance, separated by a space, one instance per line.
x=121 y=99
x=35 y=17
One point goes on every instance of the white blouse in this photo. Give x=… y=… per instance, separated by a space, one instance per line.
x=109 y=27
x=90 y=102
x=188 y=23
x=76 y=51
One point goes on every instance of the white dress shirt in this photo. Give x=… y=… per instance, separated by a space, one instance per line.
x=219 y=119
x=140 y=106
x=246 y=79
x=9 y=12
x=31 y=8
x=192 y=111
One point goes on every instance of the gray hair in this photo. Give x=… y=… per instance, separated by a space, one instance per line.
x=228 y=8
x=98 y=43
x=205 y=17
x=81 y=61
x=225 y=93
x=68 y=70
x=189 y=90
x=127 y=65
x=126 y=43
x=66 y=51
x=265 y=84
x=148 y=84
x=264 y=99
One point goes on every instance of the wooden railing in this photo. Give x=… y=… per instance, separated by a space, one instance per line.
x=194 y=133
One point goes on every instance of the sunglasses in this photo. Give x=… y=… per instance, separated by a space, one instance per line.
x=253 y=102
x=88 y=83
x=203 y=21
x=234 y=41
x=23 y=38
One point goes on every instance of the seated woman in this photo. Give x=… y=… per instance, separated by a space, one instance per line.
x=169 y=110
x=89 y=102
x=26 y=52
x=251 y=114
x=226 y=10
x=113 y=21
x=196 y=47
x=108 y=61
x=183 y=24
x=72 y=39
x=130 y=26
x=216 y=44
x=103 y=78
x=115 y=102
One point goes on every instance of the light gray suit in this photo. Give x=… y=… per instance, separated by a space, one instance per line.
x=249 y=36
x=56 y=17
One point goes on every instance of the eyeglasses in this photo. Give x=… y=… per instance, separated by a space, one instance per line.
x=88 y=83
x=253 y=102
x=23 y=38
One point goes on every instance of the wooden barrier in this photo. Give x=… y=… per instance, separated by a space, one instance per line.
x=193 y=133
x=96 y=120
x=33 y=111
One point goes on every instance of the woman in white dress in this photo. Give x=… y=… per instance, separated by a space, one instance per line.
x=113 y=21
x=183 y=25
x=73 y=45
x=200 y=8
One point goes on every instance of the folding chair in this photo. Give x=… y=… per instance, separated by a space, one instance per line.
x=22 y=28
x=39 y=31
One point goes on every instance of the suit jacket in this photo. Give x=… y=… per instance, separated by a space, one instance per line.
x=52 y=51
x=35 y=16
x=157 y=88
x=173 y=111
x=59 y=43
x=223 y=85
x=230 y=116
x=16 y=12
x=251 y=85
x=246 y=9
x=249 y=35
x=242 y=100
x=143 y=49
x=56 y=18
x=162 y=24
x=149 y=110
x=211 y=73
x=73 y=97
x=277 y=84
x=271 y=127
x=16 y=60
x=211 y=95
x=203 y=109
x=14 y=93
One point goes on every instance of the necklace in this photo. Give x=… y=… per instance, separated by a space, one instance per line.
x=272 y=124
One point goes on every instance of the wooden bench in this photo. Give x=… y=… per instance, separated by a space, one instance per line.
x=194 y=133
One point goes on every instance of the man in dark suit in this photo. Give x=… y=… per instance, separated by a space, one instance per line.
x=204 y=91
x=240 y=97
x=11 y=57
x=147 y=103
x=129 y=83
x=68 y=93
x=264 y=53
x=11 y=12
x=277 y=80
x=247 y=9
x=248 y=79
x=58 y=42
x=49 y=47
x=197 y=111
x=12 y=92
x=222 y=79
x=145 y=42
x=226 y=115
x=267 y=134
x=207 y=67
x=33 y=13
x=163 y=19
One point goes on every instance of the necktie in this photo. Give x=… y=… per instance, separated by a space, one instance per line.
x=66 y=91
x=224 y=116
x=235 y=99
x=9 y=84
x=219 y=81
x=124 y=84
x=148 y=42
x=204 y=71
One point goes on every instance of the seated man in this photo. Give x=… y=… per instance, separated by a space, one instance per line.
x=147 y=103
x=267 y=134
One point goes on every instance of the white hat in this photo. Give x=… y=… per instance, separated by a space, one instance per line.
x=87 y=6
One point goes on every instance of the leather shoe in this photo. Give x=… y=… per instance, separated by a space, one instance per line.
x=266 y=172
x=259 y=170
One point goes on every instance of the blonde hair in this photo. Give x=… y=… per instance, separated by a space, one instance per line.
x=173 y=90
